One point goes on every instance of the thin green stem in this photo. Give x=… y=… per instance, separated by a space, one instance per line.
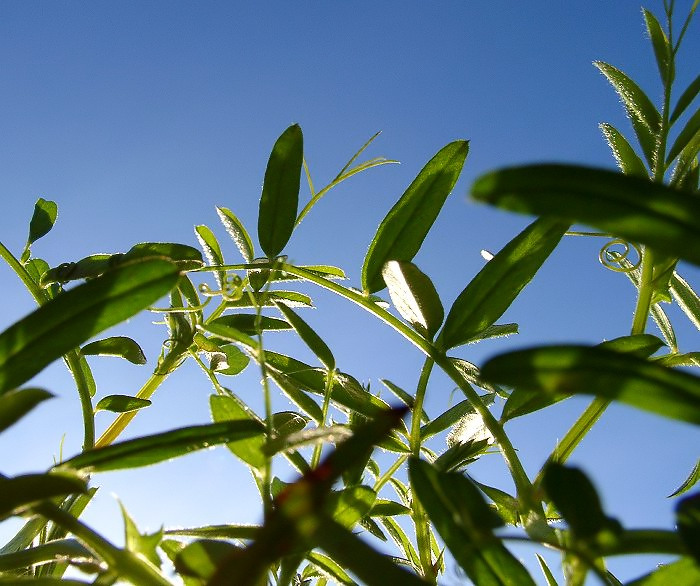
x=418 y=513
x=384 y=478
x=316 y=456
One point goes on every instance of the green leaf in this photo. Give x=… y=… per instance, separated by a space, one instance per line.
x=17 y=403
x=447 y=419
x=298 y=396
x=676 y=360
x=577 y=500
x=662 y=47
x=200 y=558
x=689 y=482
x=236 y=230
x=373 y=568
x=349 y=505
x=642 y=345
x=630 y=207
x=280 y=195
x=508 y=506
x=43 y=219
x=465 y=522
x=405 y=397
x=414 y=296
x=689 y=132
x=329 y=567
x=493 y=331
x=248 y=323
x=387 y=508
x=268 y=298
x=460 y=454
x=499 y=282
x=116 y=346
x=309 y=336
x=309 y=437
x=643 y=114
x=41 y=581
x=404 y=228
x=346 y=391
x=684 y=572
x=142 y=544
x=60 y=550
x=121 y=404
x=556 y=372
x=686 y=99
x=65 y=322
x=686 y=173
x=249 y=449
x=688 y=522
x=551 y=580
x=212 y=250
x=236 y=360
x=399 y=537
x=21 y=491
x=218 y=531
x=148 y=450
x=625 y=155
x=86 y=268
x=184 y=256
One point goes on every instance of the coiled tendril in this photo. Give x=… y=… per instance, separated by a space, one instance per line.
x=614 y=254
x=232 y=289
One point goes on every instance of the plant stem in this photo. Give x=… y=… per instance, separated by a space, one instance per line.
x=316 y=456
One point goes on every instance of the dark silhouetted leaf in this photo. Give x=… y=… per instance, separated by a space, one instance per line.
x=65 y=322
x=17 y=403
x=689 y=482
x=20 y=491
x=688 y=521
x=633 y=208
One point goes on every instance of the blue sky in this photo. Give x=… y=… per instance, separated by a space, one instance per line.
x=139 y=118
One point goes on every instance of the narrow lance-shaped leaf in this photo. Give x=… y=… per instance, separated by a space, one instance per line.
x=689 y=133
x=17 y=403
x=401 y=233
x=662 y=47
x=643 y=114
x=65 y=322
x=309 y=336
x=625 y=155
x=147 y=450
x=280 y=195
x=21 y=491
x=686 y=99
x=212 y=250
x=60 y=550
x=119 y=346
x=121 y=404
x=630 y=207
x=236 y=230
x=466 y=522
x=555 y=372
x=689 y=482
x=414 y=296
x=688 y=521
x=500 y=281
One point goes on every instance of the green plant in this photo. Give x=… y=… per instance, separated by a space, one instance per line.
x=435 y=508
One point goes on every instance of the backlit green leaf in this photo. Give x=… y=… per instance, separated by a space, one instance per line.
x=121 y=404
x=401 y=233
x=555 y=372
x=280 y=195
x=212 y=250
x=662 y=47
x=248 y=323
x=414 y=296
x=184 y=256
x=20 y=491
x=500 y=281
x=309 y=336
x=249 y=449
x=689 y=482
x=643 y=114
x=200 y=558
x=329 y=567
x=690 y=131
x=65 y=322
x=642 y=345
x=147 y=450
x=630 y=207
x=236 y=360
x=466 y=522
x=625 y=155
x=551 y=580
x=116 y=346
x=60 y=550
x=349 y=505
x=17 y=403
x=237 y=232
x=43 y=219
x=684 y=572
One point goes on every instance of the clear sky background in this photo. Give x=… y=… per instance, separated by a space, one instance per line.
x=138 y=118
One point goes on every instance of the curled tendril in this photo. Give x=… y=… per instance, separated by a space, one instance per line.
x=232 y=289
x=614 y=254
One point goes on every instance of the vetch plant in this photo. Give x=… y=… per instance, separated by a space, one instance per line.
x=327 y=525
